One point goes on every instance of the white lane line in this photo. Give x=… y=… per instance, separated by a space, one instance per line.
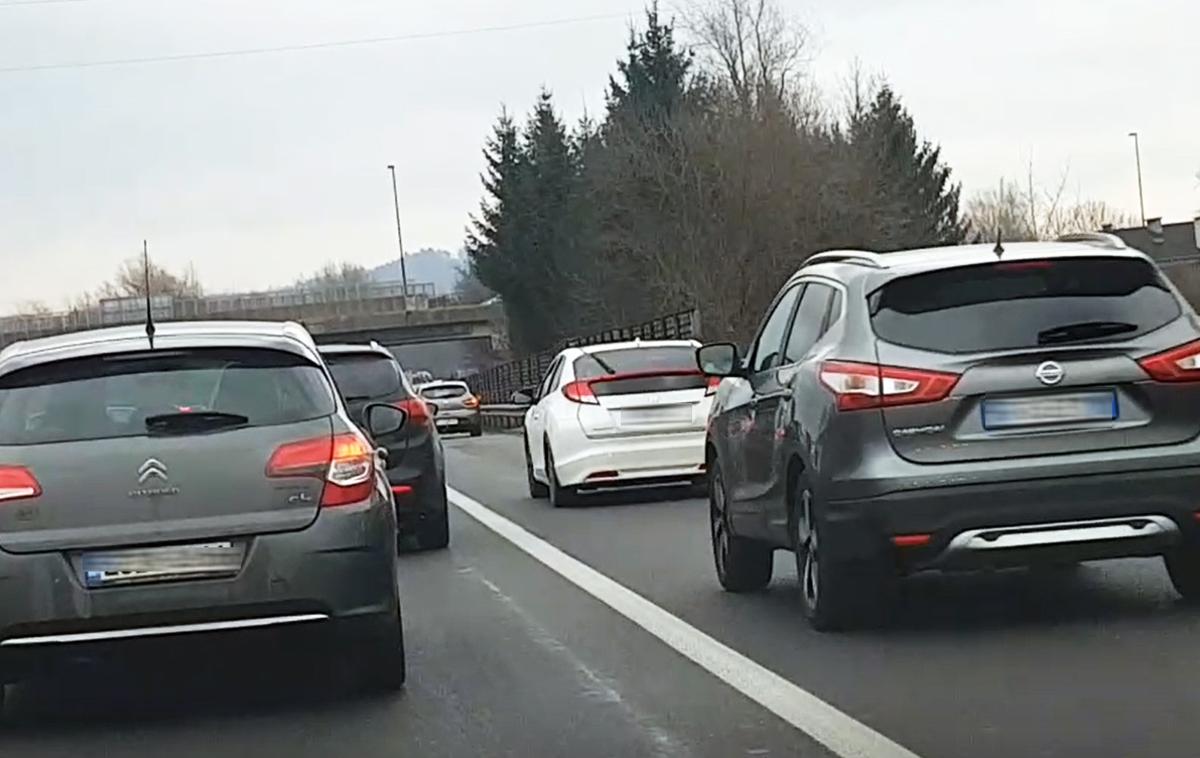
x=837 y=731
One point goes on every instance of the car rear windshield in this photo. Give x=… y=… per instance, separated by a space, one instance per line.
x=179 y=391
x=1023 y=304
x=636 y=360
x=365 y=376
x=443 y=391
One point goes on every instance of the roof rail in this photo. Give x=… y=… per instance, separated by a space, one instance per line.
x=1099 y=239
x=856 y=257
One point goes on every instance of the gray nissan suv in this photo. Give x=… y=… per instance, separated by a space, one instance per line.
x=201 y=481
x=957 y=408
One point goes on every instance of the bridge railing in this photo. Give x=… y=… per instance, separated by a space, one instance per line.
x=497 y=384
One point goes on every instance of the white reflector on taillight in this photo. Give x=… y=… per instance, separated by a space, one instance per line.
x=18 y=483
x=345 y=461
x=867 y=385
x=1179 y=364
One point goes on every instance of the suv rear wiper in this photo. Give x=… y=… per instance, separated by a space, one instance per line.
x=1083 y=330
x=199 y=421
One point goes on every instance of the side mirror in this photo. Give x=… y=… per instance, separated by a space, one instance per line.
x=719 y=359
x=522 y=397
x=383 y=419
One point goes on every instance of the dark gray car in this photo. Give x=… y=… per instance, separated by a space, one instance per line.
x=958 y=408
x=416 y=470
x=209 y=483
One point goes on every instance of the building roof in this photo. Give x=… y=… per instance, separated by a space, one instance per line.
x=1164 y=242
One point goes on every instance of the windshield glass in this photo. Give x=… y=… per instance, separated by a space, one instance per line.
x=113 y=396
x=1023 y=304
x=365 y=377
x=636 y=360
x=444 y=391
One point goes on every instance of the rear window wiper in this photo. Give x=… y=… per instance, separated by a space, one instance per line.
x=602 y=364
x=1083 y=330
x=198 y=421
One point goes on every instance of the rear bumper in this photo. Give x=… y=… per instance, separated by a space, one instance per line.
x=340 y=569
x=1081 y=517
x=458 y=420
x=628 y=460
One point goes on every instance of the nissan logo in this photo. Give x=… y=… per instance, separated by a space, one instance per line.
x=1049 y=373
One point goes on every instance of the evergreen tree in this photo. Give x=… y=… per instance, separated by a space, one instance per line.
x=653 y=83
x=913 y=200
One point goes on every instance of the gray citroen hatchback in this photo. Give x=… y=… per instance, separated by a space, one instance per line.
x=203 y=482
x=958 y=408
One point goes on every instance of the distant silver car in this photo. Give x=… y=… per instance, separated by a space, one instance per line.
x=457 y=409
x=208 y=481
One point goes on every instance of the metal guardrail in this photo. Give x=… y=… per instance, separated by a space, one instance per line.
x=504 y=416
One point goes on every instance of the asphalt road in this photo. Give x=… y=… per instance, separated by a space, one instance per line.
x=505 y=659
x=1100 y=661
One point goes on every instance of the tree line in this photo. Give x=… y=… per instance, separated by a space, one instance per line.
x=713 y=172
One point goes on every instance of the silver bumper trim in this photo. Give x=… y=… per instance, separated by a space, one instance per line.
x=162 y=631
x=1064 y=533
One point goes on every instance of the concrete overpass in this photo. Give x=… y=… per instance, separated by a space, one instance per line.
x=454 y=336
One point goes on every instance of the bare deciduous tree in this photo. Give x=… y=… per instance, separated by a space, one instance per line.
x=130 y=281
x=1033 y=213
x=757 y=47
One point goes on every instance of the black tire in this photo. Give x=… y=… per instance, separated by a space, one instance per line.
x=477 y=431
x=1183 y=566
x=743 y=565
x=835 y=596
x=434 y=532
x=384 y=667
x=537 y=490
x=560 y=496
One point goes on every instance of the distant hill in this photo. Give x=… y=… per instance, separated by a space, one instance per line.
x=438 y=267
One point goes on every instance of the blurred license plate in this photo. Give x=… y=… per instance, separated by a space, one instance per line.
x=447 y=422
x=664 y=415
x=1003 y=413
x=108 y=568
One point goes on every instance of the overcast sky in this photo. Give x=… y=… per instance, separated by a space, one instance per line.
x=257 y=169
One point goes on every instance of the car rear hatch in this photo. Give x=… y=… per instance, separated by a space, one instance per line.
x=636 y=391
x=452 y=399
x=1033 y=357
x=368 y=377
x=157 y=447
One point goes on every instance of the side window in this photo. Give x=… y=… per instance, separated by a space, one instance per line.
x=770 y=338
x=550 y=378
x=835 y=310
x=809 y=323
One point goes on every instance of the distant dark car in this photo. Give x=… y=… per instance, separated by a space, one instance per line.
x=958 y=408
x=367 y=374
x=457 y=409
x=206 y=483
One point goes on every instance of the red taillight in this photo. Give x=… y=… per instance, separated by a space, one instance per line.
x=471 y=402
x=580 y=392
x=1179 y=364
x=18 y=483
x=345 y=462
x=867 y=385
x=713 y=383
x=1025 y=266
x=912 y=540
x=417 y=410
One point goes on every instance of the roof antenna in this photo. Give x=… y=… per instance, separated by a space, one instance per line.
x=999 y=248
x=149 y=314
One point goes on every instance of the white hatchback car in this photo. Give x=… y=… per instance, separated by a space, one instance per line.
x=628 y=414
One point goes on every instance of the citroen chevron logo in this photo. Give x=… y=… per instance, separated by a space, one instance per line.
x=152 y=468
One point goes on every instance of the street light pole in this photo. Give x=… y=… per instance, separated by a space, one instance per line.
x=1137 y=152
x=400 y=236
